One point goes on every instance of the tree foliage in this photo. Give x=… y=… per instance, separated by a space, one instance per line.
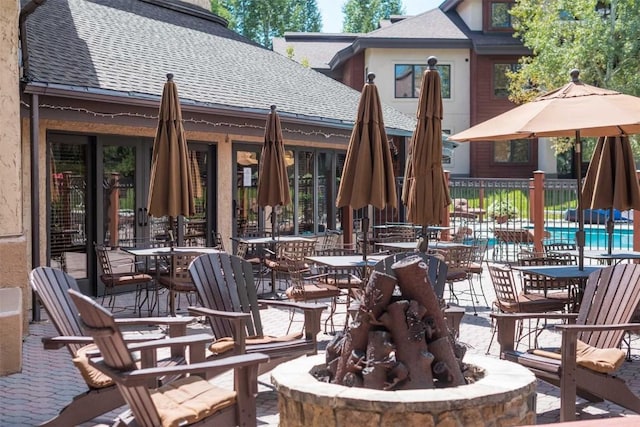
x=261 y=20
x=363 y=16
x=600 y=38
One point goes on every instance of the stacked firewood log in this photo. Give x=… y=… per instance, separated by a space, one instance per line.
x=398 y=338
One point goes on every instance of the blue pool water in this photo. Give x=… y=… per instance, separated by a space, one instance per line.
x=594 y=237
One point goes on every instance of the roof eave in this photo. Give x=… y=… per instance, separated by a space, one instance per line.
x=153 y=101
x=396 y=42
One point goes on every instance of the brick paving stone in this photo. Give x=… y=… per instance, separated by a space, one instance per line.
x=49 y=380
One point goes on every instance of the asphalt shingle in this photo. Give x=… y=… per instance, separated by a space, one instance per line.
x=128 y=46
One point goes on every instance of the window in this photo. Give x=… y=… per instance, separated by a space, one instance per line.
x=514 y=151
x=500 y=79
x=408 y=78
x=500 y=19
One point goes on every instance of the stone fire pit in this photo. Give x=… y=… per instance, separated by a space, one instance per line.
x=505 y=396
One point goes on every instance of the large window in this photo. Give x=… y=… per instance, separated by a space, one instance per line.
x=500 y=79
x=499 y=18
x=514 y=151
x=408 y=78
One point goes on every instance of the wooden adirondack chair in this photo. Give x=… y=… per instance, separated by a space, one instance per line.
x=437 y=271
x=609 y=300
x=52 y=285
x=228 y=294
x=190 y=400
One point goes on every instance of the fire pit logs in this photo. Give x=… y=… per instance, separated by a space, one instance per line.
x=398 y=339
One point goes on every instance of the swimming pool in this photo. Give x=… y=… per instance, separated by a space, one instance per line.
x=595 y=237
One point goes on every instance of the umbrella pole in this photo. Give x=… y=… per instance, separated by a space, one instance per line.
x=274 y=222
x=610 y=232
x=365 y=243
x=580 y=232
x=423 y=241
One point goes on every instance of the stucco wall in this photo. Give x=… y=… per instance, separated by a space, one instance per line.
x=13 y=243
x=456 y=109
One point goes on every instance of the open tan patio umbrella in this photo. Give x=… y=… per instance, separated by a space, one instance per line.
x=367 y=177
x=425 y=192
x=170 y=189
x=574 y=110
x=273 y=181
x=611 y=181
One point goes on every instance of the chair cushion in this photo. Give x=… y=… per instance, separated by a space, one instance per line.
x=603 y=360
x=311 y=292
x=188 y=400
x=456 y=274
x=225 y=344
x=117 y=279
x=178 y=285
x=343 y=280
x=93 y=377
x=475 y=268
x=534 y=303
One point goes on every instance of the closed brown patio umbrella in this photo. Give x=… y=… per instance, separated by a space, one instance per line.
x=574 y=110
x=273 y=181
x=425 y=192
x=170 y=189
x=367 y=176
x=611 y=181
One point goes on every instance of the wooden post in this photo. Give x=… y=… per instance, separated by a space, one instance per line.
x=538 y=206
x=532 y=198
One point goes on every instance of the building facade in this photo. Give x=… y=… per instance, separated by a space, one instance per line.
x=473 y=41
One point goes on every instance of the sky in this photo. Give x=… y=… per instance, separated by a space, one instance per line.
x=331 y=11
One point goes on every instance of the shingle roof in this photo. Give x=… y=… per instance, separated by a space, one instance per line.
x=128 y=47
x=317 y=48
x=432 y=24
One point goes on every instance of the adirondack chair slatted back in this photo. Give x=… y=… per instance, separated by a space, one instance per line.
x=52 y=285
x=611 y=296
x=235 y=290
x=107 y=336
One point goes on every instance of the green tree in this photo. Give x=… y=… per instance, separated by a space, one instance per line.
x=600 y=38
x=261 y=20
x=363 y=16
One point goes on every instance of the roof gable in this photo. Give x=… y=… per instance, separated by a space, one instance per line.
x=432 y=24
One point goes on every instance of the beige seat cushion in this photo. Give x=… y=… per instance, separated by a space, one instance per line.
x=93 y=377
x=188 y=400
x=226 y=344
x=604 y=360
x=311 y=292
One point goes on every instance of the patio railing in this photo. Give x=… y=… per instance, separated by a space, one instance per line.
x=487 y=198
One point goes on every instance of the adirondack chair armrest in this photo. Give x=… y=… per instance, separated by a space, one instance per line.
x=211 y=369
x=506 y=325
x=290 y=304
x=570 y=317
x=632 y=327
x=203 y=311
x=238 y=323
x=196 y=345
x=177 y=325
x=55 y=343
x=312 y=313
